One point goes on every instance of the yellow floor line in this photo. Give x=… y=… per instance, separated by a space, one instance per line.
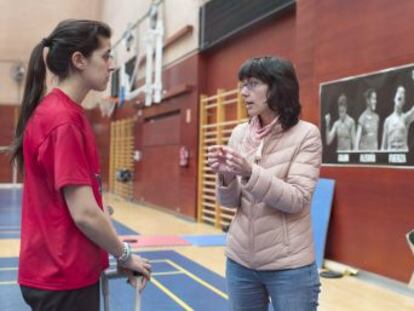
x=171 y=295
x=196 y=278
x=166 y=273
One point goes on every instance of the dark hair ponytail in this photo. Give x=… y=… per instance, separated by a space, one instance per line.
x=33 y=92
x=68 y=37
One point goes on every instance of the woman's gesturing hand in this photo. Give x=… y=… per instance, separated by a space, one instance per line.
x=216 y=159
x=237 y=164
x=225 y=160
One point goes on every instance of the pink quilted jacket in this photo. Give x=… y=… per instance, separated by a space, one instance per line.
x=272 y=227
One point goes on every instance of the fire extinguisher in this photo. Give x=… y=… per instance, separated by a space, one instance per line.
x=184 y=156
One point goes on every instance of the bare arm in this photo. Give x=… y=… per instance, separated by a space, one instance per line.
x=96 y=225
x=330 y=134
x=409 y=116
x=384 y=145
x=353 y=138
x=358 y=137
x=91 y=220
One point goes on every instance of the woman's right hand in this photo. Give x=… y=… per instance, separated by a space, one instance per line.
x=217 y=161
x=137 y=264
x=215 y=158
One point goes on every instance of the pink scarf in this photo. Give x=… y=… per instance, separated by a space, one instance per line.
x=255 y=133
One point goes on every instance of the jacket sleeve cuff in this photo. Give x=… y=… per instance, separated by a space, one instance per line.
x=228 y=195
x=259 y=182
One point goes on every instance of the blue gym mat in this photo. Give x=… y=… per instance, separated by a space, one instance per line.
x=174 y=275
x=206 y=240
x=321 y=212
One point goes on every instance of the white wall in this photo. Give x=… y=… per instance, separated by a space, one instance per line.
x=24 y=23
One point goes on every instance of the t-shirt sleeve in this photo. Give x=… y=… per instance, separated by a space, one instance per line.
x=63 y=157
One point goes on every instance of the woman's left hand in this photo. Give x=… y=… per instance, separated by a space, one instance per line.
x=237 y=164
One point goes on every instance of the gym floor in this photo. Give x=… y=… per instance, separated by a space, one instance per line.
x=187 y=276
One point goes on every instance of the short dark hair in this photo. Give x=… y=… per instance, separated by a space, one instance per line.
x=283 y=86
x=342 y=101
x=368 y=93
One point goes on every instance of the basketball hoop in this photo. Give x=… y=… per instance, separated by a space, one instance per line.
x=150 y=48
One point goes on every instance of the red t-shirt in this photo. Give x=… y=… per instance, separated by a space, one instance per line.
x=59 y=150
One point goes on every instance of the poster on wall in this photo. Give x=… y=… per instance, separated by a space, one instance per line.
x=368 y=119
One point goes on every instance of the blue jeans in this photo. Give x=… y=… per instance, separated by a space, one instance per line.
x=289 y=290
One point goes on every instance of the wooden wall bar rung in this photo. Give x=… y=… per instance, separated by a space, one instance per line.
x=213 y=125
x=227 y=216
x=208 y=219
x=212 y=205
x=210 y=176
x=207 y=190
x=211 y=106
x=230 y=101
x=230 y=210
x=209 y=212
x=208 y=134
x=209 y=197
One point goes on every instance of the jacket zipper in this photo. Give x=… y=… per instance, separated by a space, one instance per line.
x=285 y=230
x=256 y=160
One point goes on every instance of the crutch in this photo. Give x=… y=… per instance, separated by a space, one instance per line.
x=105 y=290
x=138 y=277
x=115 y=274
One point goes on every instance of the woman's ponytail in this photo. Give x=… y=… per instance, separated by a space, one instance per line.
x=34 y=89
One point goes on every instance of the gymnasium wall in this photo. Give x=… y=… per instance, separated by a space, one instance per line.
x=328 y=40
x=160 y=131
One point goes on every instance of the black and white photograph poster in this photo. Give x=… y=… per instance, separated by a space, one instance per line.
x=368 y=119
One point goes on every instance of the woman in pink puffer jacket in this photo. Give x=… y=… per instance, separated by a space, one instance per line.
x=268 y=172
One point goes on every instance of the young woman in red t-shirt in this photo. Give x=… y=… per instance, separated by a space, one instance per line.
x=66 y=232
